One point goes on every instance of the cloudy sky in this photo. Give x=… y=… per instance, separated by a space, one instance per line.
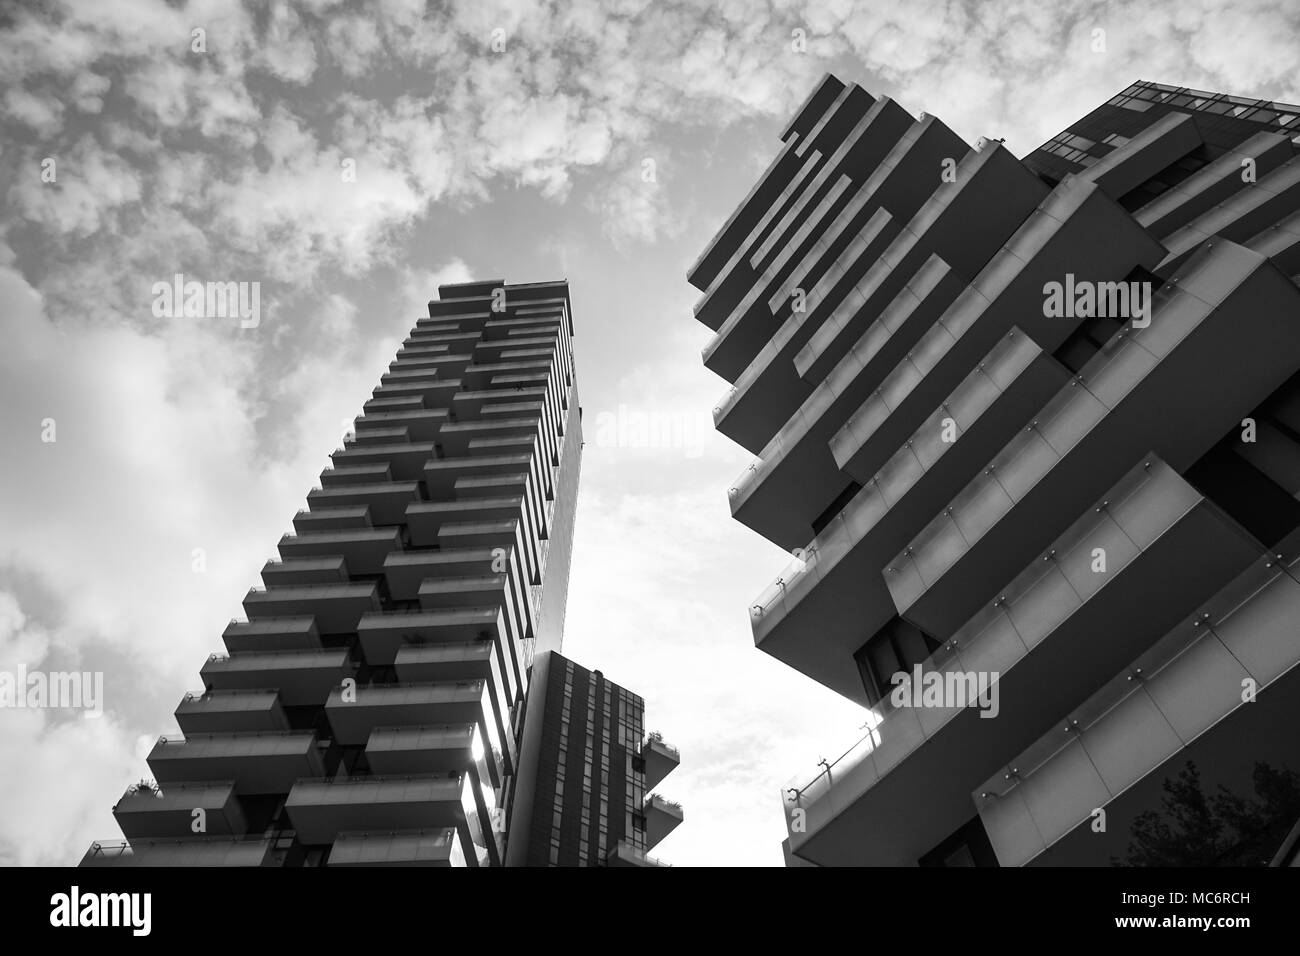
x=489 y=140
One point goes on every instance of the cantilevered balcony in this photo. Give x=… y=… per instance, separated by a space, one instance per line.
x=383 y=634
x=421 y=425
x=795 y=478
x=326 y=570
x=300 y=677
x=336 y=608
x=1214 y=183
x=146 y=811
x=768 y=390
x=820 y=611
x=660 y=759
x=1021 y=651
x=1229 y=306
x=260 y=762
x=437 y=847
x=433 y=392
x=322 y=809
x=1077 y=229
x=964 y=222
x=792 y=227
x=231 y=711
x=376 y=473
x=1157 y=147
x=405 y=459
x=627 y=854
x=1245 y=214
x=501 y=668
x=662 y=817
x=405 y=571
x=1179 y=700
x=341 y=518
x=195 y=851
x=274 y=633
x=426 y=519
x=423 y=749
x=386 y=501
x=765 y=191
x=364 y=550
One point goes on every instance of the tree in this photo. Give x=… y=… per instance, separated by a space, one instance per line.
x=1225 y=829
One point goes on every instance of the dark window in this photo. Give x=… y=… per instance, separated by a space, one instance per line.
x=968 y=846
x=835 y=507
x=896 y=647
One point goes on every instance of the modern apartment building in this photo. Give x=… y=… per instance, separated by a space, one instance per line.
x=1031 y=428
x=374 y=708
x=594 y=803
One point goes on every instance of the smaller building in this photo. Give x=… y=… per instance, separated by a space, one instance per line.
x=593 y=804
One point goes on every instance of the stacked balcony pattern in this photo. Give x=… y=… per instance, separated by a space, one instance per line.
x=368 y=710
x=1035 y=420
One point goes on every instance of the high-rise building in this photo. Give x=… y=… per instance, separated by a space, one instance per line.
x=593 y=803
x=374 y=706
x=1031 y=429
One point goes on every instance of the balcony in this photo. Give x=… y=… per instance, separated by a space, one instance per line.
x=440 y=847
x=1229 y=306
x=230 y=712
x=432 y=749
x=364 y=550
x=1161 y=144
x=471 y=405
x=213 y=852
x=820 y=611
x=769 y=389
x=275 y=633
x=503 y=666
x=331 y=519
x=864 y=175
x=440 y=476
x=147 y=811
x=300 y=677
x=920 y=763
x=660 y=759
x=259 y=763
x=426 y=519
x=1213 y=183
x=1064 y=233
x=321 y=809
x=460 y=438
x=1181 y=699
x=964 y=223
x=328 y=570
x=767 y=189
x=382 y=635
x=386 y=502
x=405 y=571
x=433 y=392
x=796 y=476
x=1247 y=213
x=335 y=608
x=418 y=424
x=626 y=854
x=405 y=459
x=662 y=817
x=376 y=473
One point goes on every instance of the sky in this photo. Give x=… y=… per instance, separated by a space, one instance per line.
x=599 y=142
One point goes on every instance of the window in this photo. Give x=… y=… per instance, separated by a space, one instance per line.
x=895 y=648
